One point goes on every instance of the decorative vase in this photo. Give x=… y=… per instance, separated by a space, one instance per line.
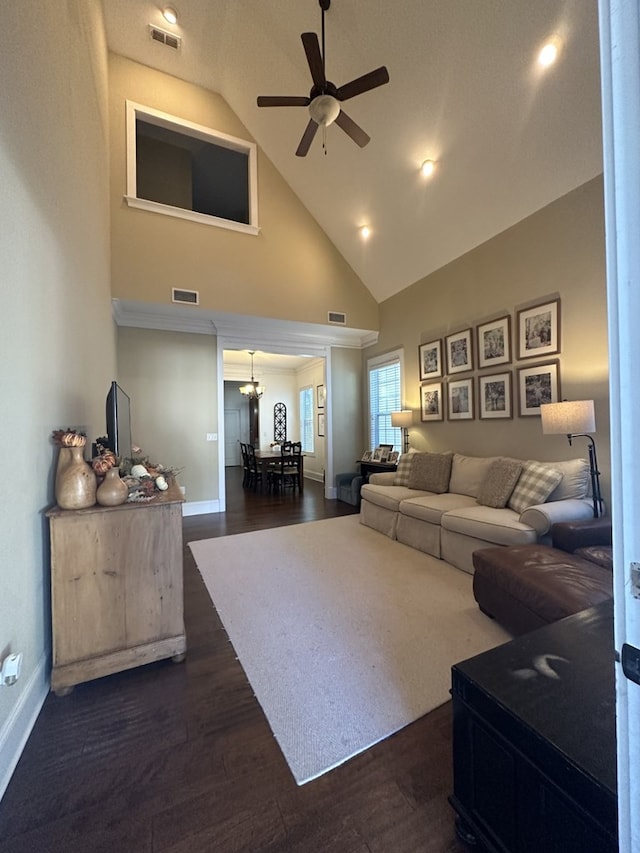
x=75 y=480
x=112 y=491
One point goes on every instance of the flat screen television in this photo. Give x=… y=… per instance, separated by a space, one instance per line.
x=119 y=421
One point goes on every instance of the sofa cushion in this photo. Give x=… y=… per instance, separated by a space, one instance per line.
x=430 y=472
x=388 y=497
x=499 y=482
x=534 y=485
x=575 y=481
x=431 y=507
x=467 y=473
x=497 y=526
x=404 y=469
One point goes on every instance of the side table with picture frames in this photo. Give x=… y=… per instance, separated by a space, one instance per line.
x=383 y=458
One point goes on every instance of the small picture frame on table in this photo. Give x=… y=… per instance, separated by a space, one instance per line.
x=539 y=330
x=393 y=457
x=494 y=342
x=430 y=359
x=460 y=399
x=431 y=402
x=366 y=456
x=538 y=384
x=459 y=351
x=494 y=394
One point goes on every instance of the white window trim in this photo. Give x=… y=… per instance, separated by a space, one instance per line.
x=134 y=111
x=375 y=361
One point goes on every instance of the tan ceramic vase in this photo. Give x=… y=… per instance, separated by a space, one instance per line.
x=75 y=480
x=112 y=491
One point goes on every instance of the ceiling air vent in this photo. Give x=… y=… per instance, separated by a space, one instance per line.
x=337 y=317
x=188 y=297
x=163 y=37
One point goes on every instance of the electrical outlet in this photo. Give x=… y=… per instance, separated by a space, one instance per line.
x=10 y=671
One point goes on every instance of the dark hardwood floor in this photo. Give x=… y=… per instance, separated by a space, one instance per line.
x=180 y=758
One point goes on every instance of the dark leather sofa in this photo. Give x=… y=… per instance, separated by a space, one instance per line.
x=524 y=587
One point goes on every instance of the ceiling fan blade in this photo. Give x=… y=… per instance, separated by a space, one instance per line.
x=352 y=129
x=307 y=139
x=282 y=101
x=314 y=57
x=363 y=84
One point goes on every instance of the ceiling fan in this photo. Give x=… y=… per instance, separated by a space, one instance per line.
x=324 y=98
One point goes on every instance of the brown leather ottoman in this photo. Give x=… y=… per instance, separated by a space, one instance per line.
x=524 y=587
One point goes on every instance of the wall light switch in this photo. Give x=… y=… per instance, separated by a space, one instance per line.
x=212 y=436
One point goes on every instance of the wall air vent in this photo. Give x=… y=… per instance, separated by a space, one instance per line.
x=163 y=37
x=337 y=317
x=186 y=297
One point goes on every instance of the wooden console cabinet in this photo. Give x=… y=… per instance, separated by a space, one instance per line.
x=116 y=588
x=534 y=751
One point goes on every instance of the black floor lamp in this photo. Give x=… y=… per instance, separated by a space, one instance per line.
x=576 y=419
x=403 y=419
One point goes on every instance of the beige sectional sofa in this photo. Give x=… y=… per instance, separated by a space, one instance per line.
x=449 y=505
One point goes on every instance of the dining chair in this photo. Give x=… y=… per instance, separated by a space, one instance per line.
x=255 y=470
x=286 y=471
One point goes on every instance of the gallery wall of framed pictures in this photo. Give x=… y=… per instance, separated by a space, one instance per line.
x=489 y=348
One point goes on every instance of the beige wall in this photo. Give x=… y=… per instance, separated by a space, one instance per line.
x=290 y=270
x=171 y=378
x=348 y=406
x=58 y=347
x=557 y=251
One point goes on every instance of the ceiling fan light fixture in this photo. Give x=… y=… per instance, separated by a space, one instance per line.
x=324 y=110
x=170 y=14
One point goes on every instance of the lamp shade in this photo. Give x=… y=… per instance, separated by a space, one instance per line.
x=571 y=417
x=402 y=419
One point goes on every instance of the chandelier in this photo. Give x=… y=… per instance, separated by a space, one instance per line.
x=252 y=390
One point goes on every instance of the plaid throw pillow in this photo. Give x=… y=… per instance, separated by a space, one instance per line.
x=534 y=485
x=403 y=470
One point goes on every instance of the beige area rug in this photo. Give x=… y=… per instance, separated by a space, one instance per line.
x=345 y=636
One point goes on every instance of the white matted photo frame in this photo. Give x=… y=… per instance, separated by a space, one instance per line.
x=460 y=400
x=431 y=402
x=538 y=384
x=459 y=348
x=430 y=359
x=495 y=395
x=494 y=342
x=366 y=456
x=539 y=330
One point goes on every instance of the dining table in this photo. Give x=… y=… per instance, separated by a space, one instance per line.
x=265 y=458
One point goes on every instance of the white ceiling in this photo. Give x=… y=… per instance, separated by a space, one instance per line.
x=464 y=91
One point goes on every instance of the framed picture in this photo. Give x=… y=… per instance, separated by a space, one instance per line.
x=430 y=359
x=494 y=342
x=459 y=352
x=494 y=394
x=460 y=400
x=321 y=395
x=539 y=330
x=377 y=455
x=538 y=384
x=366 y=456
x=321 y=424
x=393 y=457
x=431 y=402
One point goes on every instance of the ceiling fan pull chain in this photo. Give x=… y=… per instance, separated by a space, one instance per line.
x=324 y=139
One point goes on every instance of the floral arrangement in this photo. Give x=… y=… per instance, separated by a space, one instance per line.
x=69 y=437
x=144 y=478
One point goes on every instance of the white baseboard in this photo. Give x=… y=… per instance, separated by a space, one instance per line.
x=15 y=731
x=200 y=507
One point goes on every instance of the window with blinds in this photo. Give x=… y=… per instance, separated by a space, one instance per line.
x=306 y=419
x=385 y=396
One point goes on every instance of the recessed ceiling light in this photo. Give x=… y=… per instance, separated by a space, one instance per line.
x=549 y=52
x=428 y=168
x=170 y=14
x=365 y=232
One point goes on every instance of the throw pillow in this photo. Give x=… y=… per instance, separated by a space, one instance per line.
x=430 y=472
x=534 y=486
x=404 y=469
x=575 y=482
x=499 y=482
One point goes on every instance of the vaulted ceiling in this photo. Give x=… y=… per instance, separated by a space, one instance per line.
x=465 y=91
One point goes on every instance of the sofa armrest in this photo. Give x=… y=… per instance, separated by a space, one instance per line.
x=569 y=535
x=383 y=478
x=543 y=516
